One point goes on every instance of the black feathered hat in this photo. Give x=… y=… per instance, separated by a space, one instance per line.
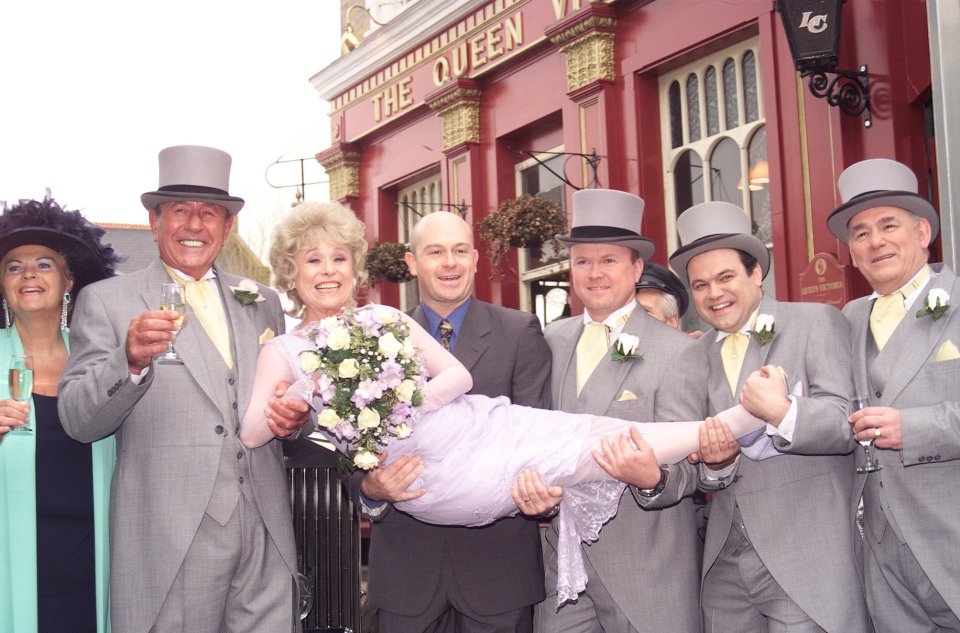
x=67 y=232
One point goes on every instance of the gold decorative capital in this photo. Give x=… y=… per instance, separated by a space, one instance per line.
x=589 y=59
x=458 y=106
x=342 y=163
x=578 y=29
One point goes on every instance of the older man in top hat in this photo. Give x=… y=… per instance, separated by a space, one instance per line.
x=661 y=293
x=779 y=549
x=201 y=527
x=905 y=358
x=643 y=572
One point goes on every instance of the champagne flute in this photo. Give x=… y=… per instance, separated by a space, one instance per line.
x=871 y=465
x=172 y=298
x=20 y=375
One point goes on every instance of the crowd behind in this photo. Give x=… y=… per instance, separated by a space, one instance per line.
x=140 y=495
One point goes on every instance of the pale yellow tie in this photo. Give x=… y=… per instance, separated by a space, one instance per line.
x=732 y=351
x=208 y=310
x=888 y=311
x=591 y=348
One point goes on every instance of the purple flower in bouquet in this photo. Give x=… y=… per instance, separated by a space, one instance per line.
x=346 y=431
x=391 y=373
x=370 y=321
x=401 y=413
x=367 y=391
x=325 y=389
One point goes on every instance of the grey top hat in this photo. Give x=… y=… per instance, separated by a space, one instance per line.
x=193 y=173
x=606 y=216
x=879 y=182
x=662 y=278
x=711 y=225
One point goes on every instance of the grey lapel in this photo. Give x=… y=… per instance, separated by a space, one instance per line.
x=913 y=341
x=568 y=333
x=603 y=386
x=720 y=394
x=858 y=314
x=242 y=321
x=473 y=338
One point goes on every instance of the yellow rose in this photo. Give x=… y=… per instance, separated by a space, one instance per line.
x=368 y=418
x=328 y=418
x=402 y=430
x=405 y=390
x=349 y=368
x=338 y=338
x=408 y=349
x=389 y=346
x=309 y=362
x=328 y=323
x=365 y=460
x=386 y=315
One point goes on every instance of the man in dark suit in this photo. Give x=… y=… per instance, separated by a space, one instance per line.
x=431 y=578
x=905 y=357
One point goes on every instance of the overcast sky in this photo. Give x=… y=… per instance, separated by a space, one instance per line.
x=91 y=91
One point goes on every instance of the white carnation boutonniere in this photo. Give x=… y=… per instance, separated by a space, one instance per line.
x=935 y=304
x=247 y=293
x=625 y=348
x=763 y=329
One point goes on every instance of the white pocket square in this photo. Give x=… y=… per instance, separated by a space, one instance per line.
x=627 y=395
x=267 y=335
x=947 y=351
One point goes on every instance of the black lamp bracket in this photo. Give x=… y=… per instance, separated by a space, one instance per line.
x=848 y=90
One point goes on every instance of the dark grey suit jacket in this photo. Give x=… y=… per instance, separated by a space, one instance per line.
x=498 y=567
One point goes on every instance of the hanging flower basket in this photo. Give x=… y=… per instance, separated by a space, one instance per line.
x=385 y=261
x=523 y=222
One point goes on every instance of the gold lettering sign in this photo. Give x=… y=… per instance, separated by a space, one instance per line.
x=472 y=54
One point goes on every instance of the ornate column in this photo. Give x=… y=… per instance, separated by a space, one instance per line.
x=342 y=162
x=591 y=118
x=458 y=106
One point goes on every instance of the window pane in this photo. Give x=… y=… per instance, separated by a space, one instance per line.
x=725 y=167
x=693 y=108
x=688 y=181
x=731 y=116
x=712 y=100
x=676 y=119
x=750 y=100
x=760 y=185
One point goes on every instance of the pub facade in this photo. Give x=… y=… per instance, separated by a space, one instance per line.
x=460 y=106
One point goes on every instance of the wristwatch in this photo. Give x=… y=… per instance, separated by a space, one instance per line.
x=653 y=492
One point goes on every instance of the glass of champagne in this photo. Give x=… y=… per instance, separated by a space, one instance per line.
x=172 y=298
x=21 y=384
x=871 y=464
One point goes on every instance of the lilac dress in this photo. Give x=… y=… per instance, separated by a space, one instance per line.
x=473 y=446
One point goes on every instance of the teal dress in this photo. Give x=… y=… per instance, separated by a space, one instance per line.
x=19 y=505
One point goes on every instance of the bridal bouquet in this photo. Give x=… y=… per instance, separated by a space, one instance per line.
x=367 y=376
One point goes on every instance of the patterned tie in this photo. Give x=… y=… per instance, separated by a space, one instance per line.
x=208 y=310
x=591 y=348
x=732 y=351
x=446 y=332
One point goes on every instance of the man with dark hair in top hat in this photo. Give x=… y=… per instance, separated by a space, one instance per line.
x=643 y=572
x=906 y=359
x=779 y=548
x=201 y=527
x=661 y=294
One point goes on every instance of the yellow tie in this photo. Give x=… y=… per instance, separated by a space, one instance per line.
x=591 y=348
x=732 y=351
x=888 y=311
x=209 y=312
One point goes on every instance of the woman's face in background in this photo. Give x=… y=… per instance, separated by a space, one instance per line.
x=325 y=279
x=35 y=279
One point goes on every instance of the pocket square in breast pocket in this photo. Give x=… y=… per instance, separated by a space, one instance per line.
x=947 y=351
x=267 y=335
x=627 y=395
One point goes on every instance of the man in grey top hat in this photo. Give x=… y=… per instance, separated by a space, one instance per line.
x=201 y=528
x=779 y=548
x=906 y=359
x=642 y=574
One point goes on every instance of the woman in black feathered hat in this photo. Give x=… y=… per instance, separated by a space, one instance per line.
x=54 y=491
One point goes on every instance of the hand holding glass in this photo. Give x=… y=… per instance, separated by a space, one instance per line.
x=870 y=465
x=172 y=298
x=20 y=375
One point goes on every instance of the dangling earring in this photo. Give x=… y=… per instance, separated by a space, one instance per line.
x=63 y=312
x=6 y=317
